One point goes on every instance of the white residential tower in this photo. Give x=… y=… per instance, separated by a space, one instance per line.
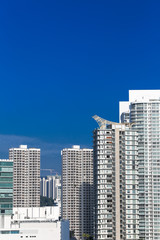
x=115 y=181
x=26 y=176
x=143 y=109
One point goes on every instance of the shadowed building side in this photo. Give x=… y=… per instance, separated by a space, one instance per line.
x=77 y=191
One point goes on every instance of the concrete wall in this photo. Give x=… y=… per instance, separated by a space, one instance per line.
x=35 y=223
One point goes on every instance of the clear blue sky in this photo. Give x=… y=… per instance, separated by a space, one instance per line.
x=61 y=62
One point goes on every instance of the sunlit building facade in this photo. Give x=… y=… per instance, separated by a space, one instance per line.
x=143 y=109
x=26 y=176
x=115 y=181
x=51 y=187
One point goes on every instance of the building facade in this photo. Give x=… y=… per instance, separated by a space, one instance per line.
x=6 y=186
x=115 y=181
x=34 y=223
x=51 y=187
x=26 y=176
x=143 y=109
x=77 y=190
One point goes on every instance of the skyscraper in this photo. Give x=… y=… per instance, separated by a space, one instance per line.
x=77 y=190
x=143 y=109
x=43 y=187
x=51 y=187
x=6 y=186
x=115 y=181
x=26 y=176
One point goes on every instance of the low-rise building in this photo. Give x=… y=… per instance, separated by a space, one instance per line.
x=38 y=223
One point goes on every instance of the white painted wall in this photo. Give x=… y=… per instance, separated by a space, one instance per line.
x=34 y=223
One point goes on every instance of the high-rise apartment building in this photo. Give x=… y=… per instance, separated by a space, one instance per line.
x=143 y=109
x=43 y=187
x=6 y=186
x=77 y=190
x=51 y=187
x=26 y=176
x=115 y=181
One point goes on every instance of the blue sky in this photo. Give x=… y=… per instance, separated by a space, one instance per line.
x=61 y=62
